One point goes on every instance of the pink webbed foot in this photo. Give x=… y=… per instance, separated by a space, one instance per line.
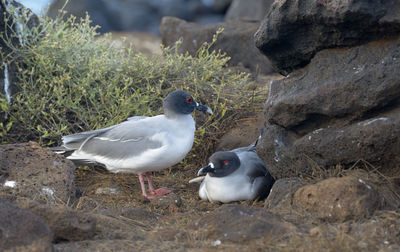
x=151 y=196
x=154 y=193
x=161 y=191
x=158 y=193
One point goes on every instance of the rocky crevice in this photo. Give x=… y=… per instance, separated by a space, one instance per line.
x=342 y=107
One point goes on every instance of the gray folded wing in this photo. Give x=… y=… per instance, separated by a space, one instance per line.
x=75 y=141
x=249 y=159
x=256 y=170
x=124 y=140
x=255 y=167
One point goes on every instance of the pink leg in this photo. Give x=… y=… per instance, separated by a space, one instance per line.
x=151 y=187
x=141 y=179
x=158 y=192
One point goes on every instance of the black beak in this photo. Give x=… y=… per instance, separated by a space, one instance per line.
x=205 y=170
x=203 y=108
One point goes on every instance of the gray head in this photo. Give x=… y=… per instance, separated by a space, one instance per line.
x=222 y=163
x=180 y=102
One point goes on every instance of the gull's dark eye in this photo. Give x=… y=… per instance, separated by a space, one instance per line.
x=226 y=162
x=189 y=100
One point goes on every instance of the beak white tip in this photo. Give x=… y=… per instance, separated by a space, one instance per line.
x=197 y=180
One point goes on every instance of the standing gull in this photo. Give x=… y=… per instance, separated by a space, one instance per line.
x=141 y=144
x=235 y=175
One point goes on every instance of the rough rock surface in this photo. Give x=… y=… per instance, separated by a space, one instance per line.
x=294 y=30
x=343 y=107
x=227 y=224
x=245 y=10
x=281 y=196
x=236 y=40
x=338 y=199
x=28 y=170
x=99 y=245
x=66 y=224
x=21 y=230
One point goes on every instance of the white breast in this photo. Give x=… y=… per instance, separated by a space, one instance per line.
x=226 y=189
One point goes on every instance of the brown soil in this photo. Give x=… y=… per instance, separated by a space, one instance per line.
x=379 y=232
x=175 y=178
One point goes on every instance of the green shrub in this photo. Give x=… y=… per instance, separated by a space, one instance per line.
x=71 y=80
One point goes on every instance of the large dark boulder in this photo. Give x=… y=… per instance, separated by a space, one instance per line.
x=280 y=199
x=294 y=30
x=236 y=223
x=65 y=223
x=354 y=195
x=21 y=230
x=343 y=107
x=338 y=199
x=245 y=10
x=28 y=170
x=236 y=41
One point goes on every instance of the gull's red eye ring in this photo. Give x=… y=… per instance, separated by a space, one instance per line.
x=226 y=161
x=189 y=100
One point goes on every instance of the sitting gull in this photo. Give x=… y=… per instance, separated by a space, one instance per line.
x=140 y=144
x=235 y=175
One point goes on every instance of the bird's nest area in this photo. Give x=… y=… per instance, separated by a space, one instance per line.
x=90 y=180
x=129 y=194
x=120 y=190
x=175 y=220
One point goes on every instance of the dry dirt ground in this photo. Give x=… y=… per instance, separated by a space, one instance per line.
x=129 y=192
x=379 y=232
x=184 y=207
